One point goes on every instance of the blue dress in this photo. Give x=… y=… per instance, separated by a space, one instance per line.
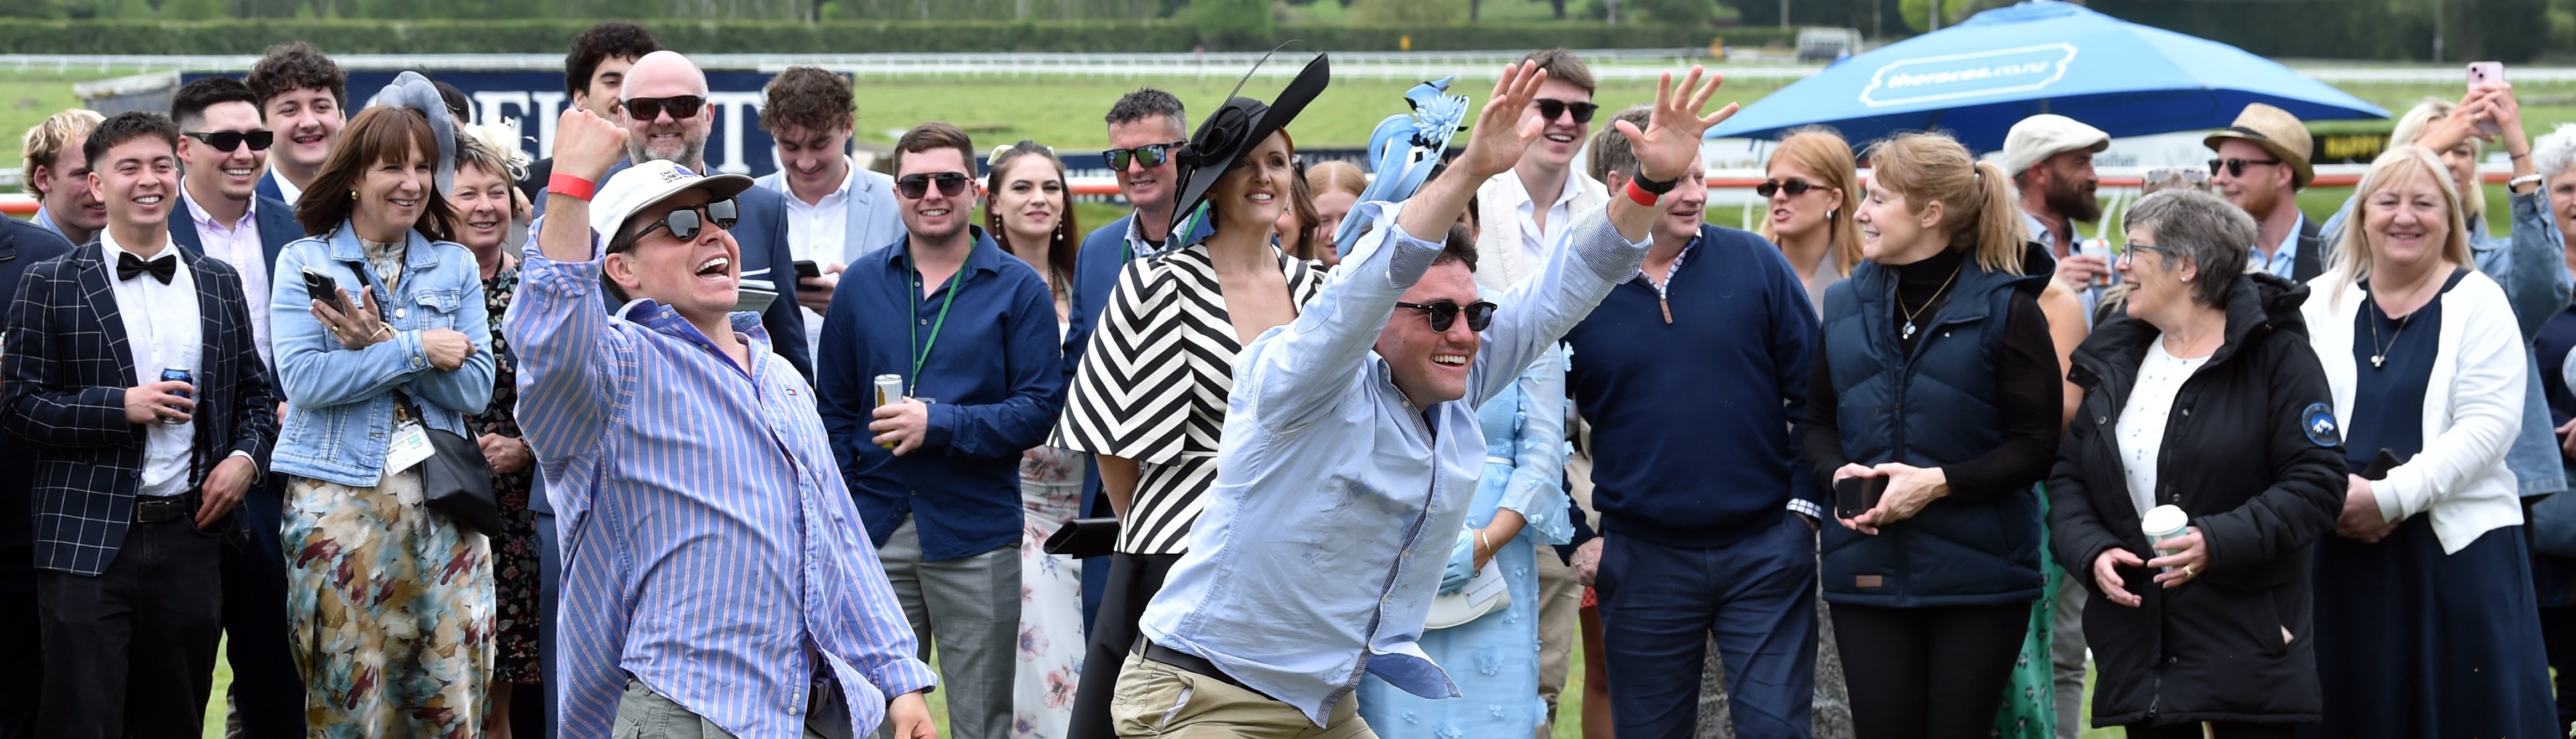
x=1494 y=659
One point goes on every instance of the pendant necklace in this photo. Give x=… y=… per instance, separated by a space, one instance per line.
x=1908 y=332
x=2379 y=354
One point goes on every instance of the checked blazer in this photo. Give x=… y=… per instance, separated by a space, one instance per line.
x=62 y=390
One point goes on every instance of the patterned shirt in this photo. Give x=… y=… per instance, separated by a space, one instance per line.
x=709 y=547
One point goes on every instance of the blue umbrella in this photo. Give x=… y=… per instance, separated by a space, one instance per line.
x=1978 y=78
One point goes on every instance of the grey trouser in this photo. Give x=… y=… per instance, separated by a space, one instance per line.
x=969 y=609
x=1559 y=609
x=2066 y=652
x=644 y=714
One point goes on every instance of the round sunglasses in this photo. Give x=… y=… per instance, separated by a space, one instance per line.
x=1442 y=314
x=1550 y=108
x=685 y=223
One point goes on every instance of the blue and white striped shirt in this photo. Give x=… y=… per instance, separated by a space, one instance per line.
x=710 y=549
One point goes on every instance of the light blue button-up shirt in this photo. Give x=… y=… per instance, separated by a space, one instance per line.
x=1326 y=530
x=709 y=547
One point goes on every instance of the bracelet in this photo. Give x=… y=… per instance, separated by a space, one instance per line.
x=1482 y=541
x=382 y=329
x=1639 y=195
x=1657 y=187
x=570 y=186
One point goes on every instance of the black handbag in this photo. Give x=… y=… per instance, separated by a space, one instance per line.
x=456 y=481
x=1084 y=538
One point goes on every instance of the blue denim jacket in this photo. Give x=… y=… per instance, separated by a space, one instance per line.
x=342 y=405
x=2536 y=294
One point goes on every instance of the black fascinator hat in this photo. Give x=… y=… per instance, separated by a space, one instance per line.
x=1242 y=123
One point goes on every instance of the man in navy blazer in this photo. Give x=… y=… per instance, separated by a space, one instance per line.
x=674 y=91
x=21 y=244
x=223 y=217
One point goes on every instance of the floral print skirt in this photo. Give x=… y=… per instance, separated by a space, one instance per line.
x=391 y=610
x=1051 y=641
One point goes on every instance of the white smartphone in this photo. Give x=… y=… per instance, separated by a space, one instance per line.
x=2481 y=73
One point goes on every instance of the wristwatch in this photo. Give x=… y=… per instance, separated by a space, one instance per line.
x=2515 y=184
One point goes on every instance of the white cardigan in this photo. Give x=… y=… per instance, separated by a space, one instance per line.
x=2472 y=406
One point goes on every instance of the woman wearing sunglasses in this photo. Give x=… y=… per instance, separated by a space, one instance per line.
x=2258 y=481
x=1936 y=381
x=392 y=604
x=1173 y=325
x=1812 y=187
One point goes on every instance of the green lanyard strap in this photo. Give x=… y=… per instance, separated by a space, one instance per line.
x=920 y=348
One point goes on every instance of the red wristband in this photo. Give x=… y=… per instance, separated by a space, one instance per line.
x=570 y=186
x=1636 y=194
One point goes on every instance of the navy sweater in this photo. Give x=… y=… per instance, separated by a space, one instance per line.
x=1692 y=442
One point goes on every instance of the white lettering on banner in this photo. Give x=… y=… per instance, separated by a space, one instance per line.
x=550 y=105
x=1977 y=74
x=733 y=103
x=497 y=105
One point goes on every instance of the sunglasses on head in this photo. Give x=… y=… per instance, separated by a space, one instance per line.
x=2236 y=167
x=230 y=140
x=1793 y=187
x=1549 y=109
x=914 y=186
x=1148 y=156
x=681 y=107
x=1444 y=313
x=685 y=223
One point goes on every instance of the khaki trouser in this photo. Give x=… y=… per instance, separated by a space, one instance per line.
x=1157 y=700
x=644 y=714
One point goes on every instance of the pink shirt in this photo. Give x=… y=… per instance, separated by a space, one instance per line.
x=238 y=244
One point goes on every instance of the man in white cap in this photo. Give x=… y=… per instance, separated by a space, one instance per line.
x=2261 y=166
x=752 y=602
x=2050 y=158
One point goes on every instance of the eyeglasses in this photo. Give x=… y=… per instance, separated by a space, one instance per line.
x=685 y=223
x=1550 y=108
x=2236 y=167
x=681 y=107
x=229 y=140
x=2130 y=256
x=914 y=186
x=1148 y=156
x=1443 y=314
x=1793 y=187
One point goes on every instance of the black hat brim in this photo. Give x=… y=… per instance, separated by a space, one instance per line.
x=1216 y=146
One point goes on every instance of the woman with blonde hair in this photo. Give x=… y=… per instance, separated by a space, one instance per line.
x=1936 y=382
x=2425 y=619
x=1813 y=187
x=1336 y=187
x=488 y=160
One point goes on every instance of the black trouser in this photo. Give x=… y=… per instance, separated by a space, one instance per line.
x=2222 y=729
x=266 y=689
x=21 y=638
x=1133 y=580
x=2558 y=637
x=1928 y=673
x=130 y=653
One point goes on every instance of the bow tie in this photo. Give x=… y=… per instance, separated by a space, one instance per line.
x=162 y=269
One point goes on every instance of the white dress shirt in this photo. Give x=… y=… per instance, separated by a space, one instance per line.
x=290 y=192
x=239 y=245
x=162 y=330
x=815 y=233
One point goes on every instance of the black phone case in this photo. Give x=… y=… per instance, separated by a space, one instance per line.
x=324 y=289
x=1856 y=495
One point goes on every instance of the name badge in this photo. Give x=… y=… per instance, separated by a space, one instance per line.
x=411 y=447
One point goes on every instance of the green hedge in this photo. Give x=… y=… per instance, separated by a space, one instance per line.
x=712 y=37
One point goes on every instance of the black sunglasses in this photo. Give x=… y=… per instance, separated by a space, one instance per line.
x=685 y=222
x=682 y=107
x=229 y=140
x=1149 y=155
x=2236 y=167
x=1445 y=313
x=1793 y=187
x=914 y=186
x=1549 y=109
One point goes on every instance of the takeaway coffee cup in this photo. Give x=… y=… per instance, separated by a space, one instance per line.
x=2161 y=523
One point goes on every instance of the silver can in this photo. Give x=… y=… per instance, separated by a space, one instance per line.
x=889 y=391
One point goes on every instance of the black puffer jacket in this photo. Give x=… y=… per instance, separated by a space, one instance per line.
x=2253 y=454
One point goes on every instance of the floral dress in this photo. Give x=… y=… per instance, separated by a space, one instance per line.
x=1051 y=636
x=514 y=552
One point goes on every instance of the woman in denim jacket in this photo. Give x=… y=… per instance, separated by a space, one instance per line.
x=391 y=603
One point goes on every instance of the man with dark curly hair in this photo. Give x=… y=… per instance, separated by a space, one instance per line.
x=835 y=210
x=594 y=72
x=302 y=95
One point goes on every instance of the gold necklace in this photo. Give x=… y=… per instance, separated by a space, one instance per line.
x=1908 y=332
x=2379 y=354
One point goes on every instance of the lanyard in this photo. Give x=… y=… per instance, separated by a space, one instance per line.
x=920 y=348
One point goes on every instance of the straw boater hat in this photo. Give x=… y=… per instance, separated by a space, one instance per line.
x=1237 y=127
x=2276 y=131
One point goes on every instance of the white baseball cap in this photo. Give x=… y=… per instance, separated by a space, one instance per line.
x=650 y=182
x=2046 y=135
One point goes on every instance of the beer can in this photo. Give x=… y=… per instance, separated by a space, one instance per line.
x=2099 y=248
x=889 y=390
x=179 y=374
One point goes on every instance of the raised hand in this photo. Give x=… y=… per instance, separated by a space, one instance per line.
x=586 y=145
x=1673 y=130
x=1507 y=126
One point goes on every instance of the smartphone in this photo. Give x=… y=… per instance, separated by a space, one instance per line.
x=324 y=289
x=2380 y=464
x=2481 y=73
x=805 y=268
x=1856 y=495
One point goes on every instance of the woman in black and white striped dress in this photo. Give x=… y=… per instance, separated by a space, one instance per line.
x=1149 y=397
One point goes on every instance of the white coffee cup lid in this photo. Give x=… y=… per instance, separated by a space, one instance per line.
x=2164 y=519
